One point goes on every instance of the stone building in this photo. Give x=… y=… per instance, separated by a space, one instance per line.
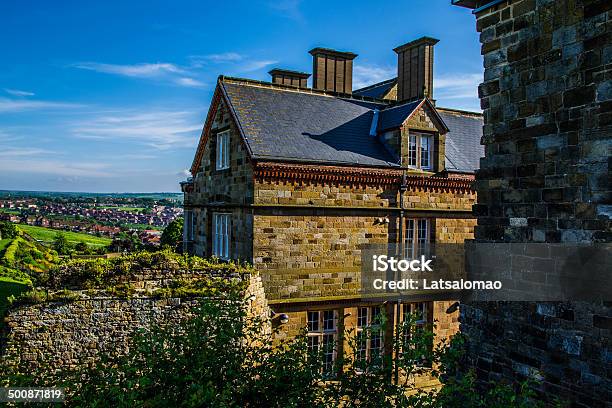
x=547 y=101
x=298 y=180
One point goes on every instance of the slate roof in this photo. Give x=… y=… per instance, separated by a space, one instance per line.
x=376 y=90
x=289 y=125
x=394 y=116
x=292 y=125
x=463 y=148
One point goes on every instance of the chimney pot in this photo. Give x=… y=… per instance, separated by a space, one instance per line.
x=288 y=77
x=332 y=70
x=415 y=69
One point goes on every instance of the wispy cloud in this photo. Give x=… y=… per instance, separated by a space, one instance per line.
x=190 y=82
x=18 y=105
x=235 y=62
x=288 y=8
x=144 y=70
x=457 y=86
x=161 y=130
x=364 y=75
x=256 y=65
x=10 y=152
x=162 y=71
x=18 y=92
x=216 y=58
x=135 y=156
x=55 y=167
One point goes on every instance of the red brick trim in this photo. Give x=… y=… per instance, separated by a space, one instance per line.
x=273 y=171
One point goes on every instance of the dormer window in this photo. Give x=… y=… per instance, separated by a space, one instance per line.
x=223 y=148
x=420 y=147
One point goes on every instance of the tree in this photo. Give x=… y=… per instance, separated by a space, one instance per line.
x=173 y=234
x=81 y=247
x=61 y=244
x=8 y=230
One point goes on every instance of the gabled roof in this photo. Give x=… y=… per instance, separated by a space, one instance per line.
x=394 y=116
x=288 y=125
x=378 y=90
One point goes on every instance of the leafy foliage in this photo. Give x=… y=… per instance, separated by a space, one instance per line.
x=105 y=272
x=61 y=245
x=222 y=357
x=26 y=261
x=173 y=234
x=8 y=230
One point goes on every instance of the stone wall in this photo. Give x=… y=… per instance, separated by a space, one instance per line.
x=70 y=334
x=547 y=101
x=221 y=190
x=315 y=253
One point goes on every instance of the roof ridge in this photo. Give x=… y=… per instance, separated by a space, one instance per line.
x=395 y=104
x=480 y=114
x=291 y=88
x=386 y=81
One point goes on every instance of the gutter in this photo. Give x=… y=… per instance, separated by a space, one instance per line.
x=486 y=6
x=472 y=4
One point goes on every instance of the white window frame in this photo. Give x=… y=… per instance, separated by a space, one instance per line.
x=418 y=237
x=415 y=144
x=223 y=150
x=366 y=321
x=412 y=150
x=322 y=327
x=221 y=235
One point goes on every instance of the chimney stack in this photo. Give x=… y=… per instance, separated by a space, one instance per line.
x=287 y=77
x=332 y=70
x=415 y=69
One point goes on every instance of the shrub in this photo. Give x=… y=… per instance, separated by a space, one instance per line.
x=61 y=244
x=223 y=358
x=8 y=230
x=173 y=234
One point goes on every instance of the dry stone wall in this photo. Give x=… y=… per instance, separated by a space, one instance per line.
x=69 y=334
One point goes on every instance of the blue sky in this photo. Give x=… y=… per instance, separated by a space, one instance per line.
x=110 y=96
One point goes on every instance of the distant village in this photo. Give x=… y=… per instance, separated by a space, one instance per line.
x=108 y=217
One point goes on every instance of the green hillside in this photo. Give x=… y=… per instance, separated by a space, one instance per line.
x=47 y=235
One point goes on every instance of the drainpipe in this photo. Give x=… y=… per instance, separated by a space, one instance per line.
x=398 y=306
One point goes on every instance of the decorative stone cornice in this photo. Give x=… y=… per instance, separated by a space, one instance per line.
x=273 y=171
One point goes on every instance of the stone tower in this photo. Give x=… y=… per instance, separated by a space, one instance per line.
x=547 y=102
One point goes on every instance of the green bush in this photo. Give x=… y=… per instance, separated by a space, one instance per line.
x=104 y=273
x=173 y=234
x=8 y=230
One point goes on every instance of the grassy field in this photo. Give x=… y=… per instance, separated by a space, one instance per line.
x=8 y=287
x=4 y=243
x=47 y=235
x=10 y=211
